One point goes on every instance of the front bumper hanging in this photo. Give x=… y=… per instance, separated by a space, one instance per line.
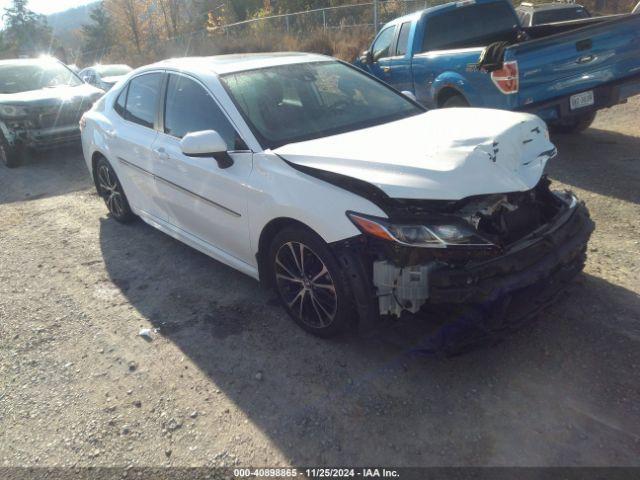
x=383 y=287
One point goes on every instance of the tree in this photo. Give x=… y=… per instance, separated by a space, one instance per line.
x=171 y=16
x=98 y=36
x=131 y=18
x=26 y=32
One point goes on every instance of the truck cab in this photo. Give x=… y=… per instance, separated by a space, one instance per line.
x=477 y=53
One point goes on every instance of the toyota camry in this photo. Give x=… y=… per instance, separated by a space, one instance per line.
x=343 y=194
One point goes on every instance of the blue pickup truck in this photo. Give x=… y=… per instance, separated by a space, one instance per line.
x=476 y=52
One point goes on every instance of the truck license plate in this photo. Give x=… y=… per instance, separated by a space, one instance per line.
x=582 y=100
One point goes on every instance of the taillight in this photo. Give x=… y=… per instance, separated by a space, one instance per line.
x=507 y=78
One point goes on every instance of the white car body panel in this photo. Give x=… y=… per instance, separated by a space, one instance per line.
x=444 y=154
x=439 y=155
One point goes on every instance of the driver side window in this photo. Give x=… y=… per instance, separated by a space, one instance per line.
x=382 y=46
x=190 y=108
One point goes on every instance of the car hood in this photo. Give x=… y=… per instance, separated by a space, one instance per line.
x=447 y=154
x=51 y=96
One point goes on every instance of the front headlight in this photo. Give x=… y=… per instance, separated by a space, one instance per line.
x=12 y=111
x=432 y=235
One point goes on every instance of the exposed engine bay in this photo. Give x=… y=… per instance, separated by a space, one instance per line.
x=524 y=234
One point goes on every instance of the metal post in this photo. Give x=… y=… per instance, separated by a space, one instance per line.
x=375 y=16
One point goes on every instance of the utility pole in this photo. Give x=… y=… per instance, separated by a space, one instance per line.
x=375 y=17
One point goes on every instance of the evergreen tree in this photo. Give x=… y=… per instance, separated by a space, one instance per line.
x=98 y=35
x=26 y=32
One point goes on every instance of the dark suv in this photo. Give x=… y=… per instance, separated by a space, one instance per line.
x=541 y=13
x=41 y=103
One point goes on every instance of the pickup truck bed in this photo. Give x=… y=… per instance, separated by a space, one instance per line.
x=563 y=72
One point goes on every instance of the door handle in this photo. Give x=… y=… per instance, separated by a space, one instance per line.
x=386 y=69
x=161 y=153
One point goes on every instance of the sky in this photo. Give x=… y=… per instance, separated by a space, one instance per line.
x=47 y=7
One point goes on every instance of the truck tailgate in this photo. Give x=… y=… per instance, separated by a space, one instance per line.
x=577 y=60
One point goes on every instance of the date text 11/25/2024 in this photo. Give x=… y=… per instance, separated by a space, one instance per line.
x=315 y=473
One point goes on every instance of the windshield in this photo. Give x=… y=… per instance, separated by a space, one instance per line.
x=112 y=70
x=560 y=15
x=292 y=103
x=17 y=78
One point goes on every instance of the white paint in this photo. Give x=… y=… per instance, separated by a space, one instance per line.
x=445 y=154
x=442 y=154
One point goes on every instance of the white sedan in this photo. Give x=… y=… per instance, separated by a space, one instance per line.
x=345 y=195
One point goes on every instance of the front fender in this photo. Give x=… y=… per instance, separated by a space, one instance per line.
x=280 y=191
x=455 y=81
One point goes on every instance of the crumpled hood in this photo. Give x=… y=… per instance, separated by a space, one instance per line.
x=447 y=154
x=51 y=96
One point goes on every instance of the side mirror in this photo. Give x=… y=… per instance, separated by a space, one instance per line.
x=367 y=57
x=86 y=79
x=410 y=95
x=205 y=144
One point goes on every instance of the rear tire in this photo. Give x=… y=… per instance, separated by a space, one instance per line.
x=455 y=101
x=310 y=283
x=576 y=124
x=111 y=191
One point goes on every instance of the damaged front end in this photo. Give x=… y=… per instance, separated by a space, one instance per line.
x=478 y=250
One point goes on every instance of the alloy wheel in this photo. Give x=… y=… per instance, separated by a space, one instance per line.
x=305 y=285
x=110 y=190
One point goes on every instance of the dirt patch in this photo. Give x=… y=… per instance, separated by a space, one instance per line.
x=78 y=386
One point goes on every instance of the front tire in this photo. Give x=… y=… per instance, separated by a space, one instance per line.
x=455 y=101
x=310 y=283
x=10 y=157
x=576 y=124
x=111 y=191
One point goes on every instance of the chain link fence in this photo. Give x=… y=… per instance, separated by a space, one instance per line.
x=352 y=21
x=342 y=31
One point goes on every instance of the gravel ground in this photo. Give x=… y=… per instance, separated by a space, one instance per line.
x=229 y=380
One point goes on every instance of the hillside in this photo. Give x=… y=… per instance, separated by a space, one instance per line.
x=64 y=24
x=70 y=19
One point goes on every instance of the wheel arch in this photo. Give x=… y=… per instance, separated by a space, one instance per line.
x=446 y=93
x=269 y=231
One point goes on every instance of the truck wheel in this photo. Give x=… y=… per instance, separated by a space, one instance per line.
x=575 y=124
x=309 y=282
x=455 y=101
x=9 y=157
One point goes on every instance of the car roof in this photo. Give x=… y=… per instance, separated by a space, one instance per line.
x=29 y=61
x=222 y=64
x=539 y=7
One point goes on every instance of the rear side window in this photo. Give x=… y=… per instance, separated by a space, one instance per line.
x=142 y=99
x=121 y=102
x=470 y=26
x=190 y=108
x=403 y=39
